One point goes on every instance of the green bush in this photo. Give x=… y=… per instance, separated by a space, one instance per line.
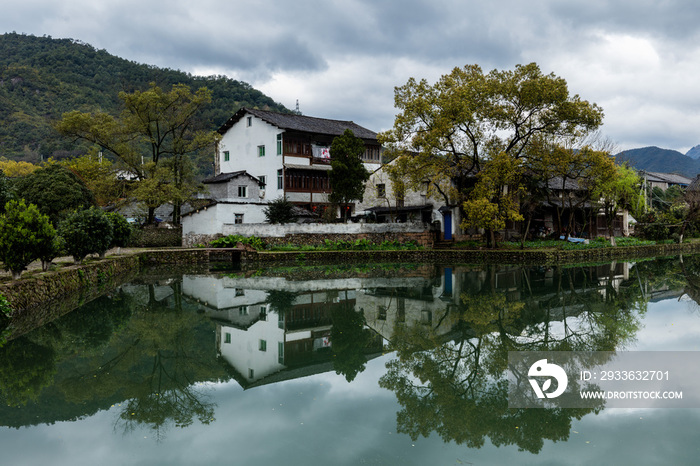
x=86 y=232
x=232 y=240
x=25 y=236
x=280 y=211
x=121 y=230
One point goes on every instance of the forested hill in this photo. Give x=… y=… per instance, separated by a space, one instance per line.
x=654 y=159
x=41 y=78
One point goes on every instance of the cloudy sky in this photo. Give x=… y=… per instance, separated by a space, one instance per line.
x=638 y=59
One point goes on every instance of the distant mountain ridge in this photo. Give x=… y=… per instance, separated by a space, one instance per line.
x=655 y=159
x=41 y=78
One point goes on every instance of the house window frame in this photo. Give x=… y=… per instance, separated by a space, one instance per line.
x=243 y=191
x=381 y=190
x=261 y=150
x=263 y=181
x=238 y=219
x=262 y=345
x=279 y=144
x=227 y=156
x=249 y=121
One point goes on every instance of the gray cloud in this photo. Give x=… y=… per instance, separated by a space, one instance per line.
x=636 y=58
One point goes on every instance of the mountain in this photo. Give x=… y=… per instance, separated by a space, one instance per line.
x=654 y=159
x=694 y=153
x=41 y=78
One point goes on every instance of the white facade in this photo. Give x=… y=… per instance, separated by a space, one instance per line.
x=244 y=142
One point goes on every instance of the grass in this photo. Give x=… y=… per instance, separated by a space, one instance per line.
x=597 y=243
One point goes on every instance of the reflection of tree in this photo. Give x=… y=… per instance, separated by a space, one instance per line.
x=281 y=301
x=124 y=346
x=349 y=338
x=25 y=369
x=457 y=388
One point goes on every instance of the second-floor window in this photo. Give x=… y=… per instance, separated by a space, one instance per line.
x=279 y=144
x=227 y=156
x=263 y=181
x=280 y=179
x=381 y=190
x=261 y=151
x=243 y=191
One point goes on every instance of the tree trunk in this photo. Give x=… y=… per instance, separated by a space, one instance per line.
x=527 y=230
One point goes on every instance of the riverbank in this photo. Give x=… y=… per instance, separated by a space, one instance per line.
x=78 y=283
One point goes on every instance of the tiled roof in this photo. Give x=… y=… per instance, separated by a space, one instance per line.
x=302 y=123
x=224 y=177
x=668 y=178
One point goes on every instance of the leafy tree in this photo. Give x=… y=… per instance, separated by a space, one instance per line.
x=121 y=230
x=494 y=199
x=157 y=123
x=5 y=191
x=55 y=190
x=616 y=187
x=446 y=131
x=99 y=175
x=25 y=235
x=280 y=211
x=348 y=174
x=86 y=232
x=16 y=169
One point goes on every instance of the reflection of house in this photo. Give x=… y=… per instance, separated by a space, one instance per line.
x=286 y=154
x=260 y=343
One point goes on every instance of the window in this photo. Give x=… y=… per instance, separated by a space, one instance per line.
x=381 y=190
x=238 y=218
x=280 y=352
x=263 y=181
x=249 y=121
x=243 y=191
x=227 y=338
x=263 y=313
x=262 y=346
x=261 y=151
x=227 y=156
x=251 y=374
x=279 y=144
x=280 y=179
x=243 y=311
x=240 y=292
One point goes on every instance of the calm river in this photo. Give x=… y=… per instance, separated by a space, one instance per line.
x=392 y=364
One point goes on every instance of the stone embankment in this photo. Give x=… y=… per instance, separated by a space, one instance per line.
x=80 y=283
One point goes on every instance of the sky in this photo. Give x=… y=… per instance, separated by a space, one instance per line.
x=637 y=59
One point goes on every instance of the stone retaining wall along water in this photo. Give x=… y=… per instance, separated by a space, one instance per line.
x=302 y=234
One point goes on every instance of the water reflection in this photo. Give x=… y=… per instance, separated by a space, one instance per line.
x=156 y=348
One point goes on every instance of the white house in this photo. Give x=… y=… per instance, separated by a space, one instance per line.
x=286 y=155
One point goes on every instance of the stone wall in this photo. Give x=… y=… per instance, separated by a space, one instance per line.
x=317 y=233
x=156 y=237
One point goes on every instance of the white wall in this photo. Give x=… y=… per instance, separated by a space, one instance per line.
x=213 y=219
x=278 y=231
x=242 y=141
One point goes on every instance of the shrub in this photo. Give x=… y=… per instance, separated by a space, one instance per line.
x=121 y=230
x=86 y=232
x=280 y=211
x=25 y=235
x=232 y=240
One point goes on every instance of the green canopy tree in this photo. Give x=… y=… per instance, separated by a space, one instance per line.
x=348 y=174
x=25 y=236
x=55 y=190
x=447 y=130
x=86 y=232
x=616 y=187
x=155 y=126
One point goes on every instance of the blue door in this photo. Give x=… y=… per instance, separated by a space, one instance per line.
x=447 y=222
